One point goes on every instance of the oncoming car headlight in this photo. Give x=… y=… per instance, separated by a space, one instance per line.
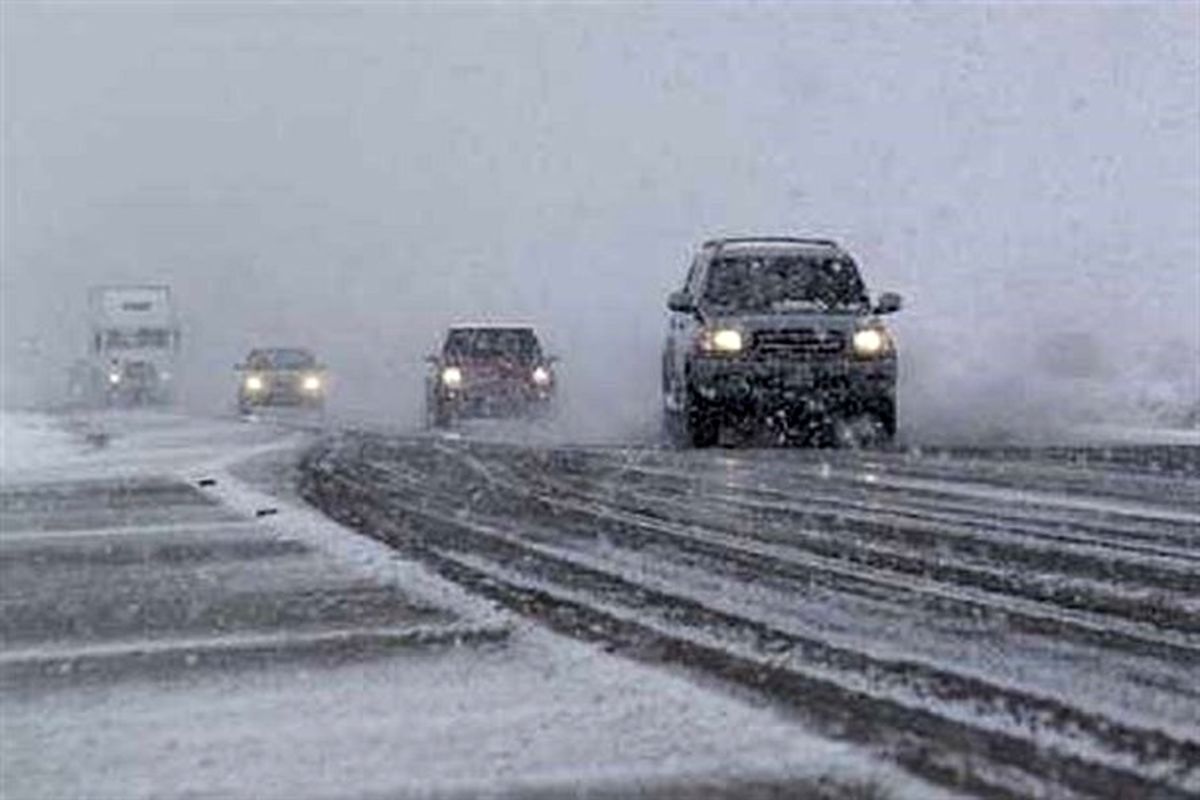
x=254 y=383
x=541 y=376
x=114 y=378
x=311 y=383
x=721 y=340
x=872 y=343
x=452 y=377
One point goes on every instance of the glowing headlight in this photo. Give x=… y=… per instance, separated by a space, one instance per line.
x=452 y=377
x=541 y=376
x=114 y=378
x=254 y=383
x=312 y=383
x=870 y=342
x=722 y=340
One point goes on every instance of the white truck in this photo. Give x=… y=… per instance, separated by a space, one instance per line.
x=133 y=347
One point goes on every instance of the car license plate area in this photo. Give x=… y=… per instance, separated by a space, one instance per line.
x=795 y=378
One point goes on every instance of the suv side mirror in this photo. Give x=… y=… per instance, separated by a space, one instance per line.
x=889 y=303
x=681 y=302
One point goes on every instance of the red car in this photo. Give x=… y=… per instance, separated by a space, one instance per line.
x=489 y=371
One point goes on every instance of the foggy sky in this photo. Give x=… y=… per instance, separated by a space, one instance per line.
x=353 y=177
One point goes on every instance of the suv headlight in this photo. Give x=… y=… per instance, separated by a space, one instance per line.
x=872 y=343
x=541 y=376
x=312 y=383
x=452 y=377
x=722 y=340
x=254 y=383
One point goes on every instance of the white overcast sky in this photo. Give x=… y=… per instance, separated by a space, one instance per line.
x=342 y=173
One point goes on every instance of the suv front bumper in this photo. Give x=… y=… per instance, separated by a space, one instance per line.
x=843 y=386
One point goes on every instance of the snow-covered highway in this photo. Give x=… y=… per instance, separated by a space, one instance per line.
x=1006 y=621
x=174 y=622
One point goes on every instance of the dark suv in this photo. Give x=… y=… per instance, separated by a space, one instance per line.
x=778 y=331
x=489 y=371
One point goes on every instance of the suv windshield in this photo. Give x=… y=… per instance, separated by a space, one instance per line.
x=784 y=282
x=281 y=359
x=517 y=344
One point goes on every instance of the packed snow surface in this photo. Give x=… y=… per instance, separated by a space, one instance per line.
x=529 y=711
x=29 y=441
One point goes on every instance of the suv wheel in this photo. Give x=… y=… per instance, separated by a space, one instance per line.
x=873 y=429
x=436 y=416
x=887 y=418
x=702 y=427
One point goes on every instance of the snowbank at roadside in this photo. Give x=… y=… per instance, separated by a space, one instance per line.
x=33 y=441
x=121 y=443
x=1138 y=435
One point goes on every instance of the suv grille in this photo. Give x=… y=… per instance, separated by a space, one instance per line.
x=799 y=343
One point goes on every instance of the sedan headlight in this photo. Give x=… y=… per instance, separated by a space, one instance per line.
x=541 y=376
x=872 y=343
x=722 y=340
x=452 y=377
x=311 y=383
x=254 y=383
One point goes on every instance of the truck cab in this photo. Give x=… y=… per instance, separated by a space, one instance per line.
x=134 y=346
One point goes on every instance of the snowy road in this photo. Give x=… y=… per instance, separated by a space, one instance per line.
x=174 y=622
x=1021 y=622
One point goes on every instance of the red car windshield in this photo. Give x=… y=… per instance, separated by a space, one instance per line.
x=509 y=344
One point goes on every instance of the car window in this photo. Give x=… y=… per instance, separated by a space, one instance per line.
x=281 y=359
x=513 y=343
x=691 y=283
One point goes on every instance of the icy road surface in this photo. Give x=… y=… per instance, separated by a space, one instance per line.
x=170 y=630
x=1006 y=622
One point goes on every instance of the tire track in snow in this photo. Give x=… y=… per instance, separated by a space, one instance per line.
x=420 y=509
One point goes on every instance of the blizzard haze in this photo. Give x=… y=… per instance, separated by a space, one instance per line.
x=354 y=177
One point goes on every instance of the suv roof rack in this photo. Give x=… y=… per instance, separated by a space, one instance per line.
x=769 y=240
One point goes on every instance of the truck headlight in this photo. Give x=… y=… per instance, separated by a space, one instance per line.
x=254 y=383
x=541 y=376
x=871 y=343
x=452 y=377
x=311 y=383
x=722 y=340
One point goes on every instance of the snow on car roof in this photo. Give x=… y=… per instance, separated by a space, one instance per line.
x=458 y=326
x=816 y=240
x=277 y=350
x=776 y=245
